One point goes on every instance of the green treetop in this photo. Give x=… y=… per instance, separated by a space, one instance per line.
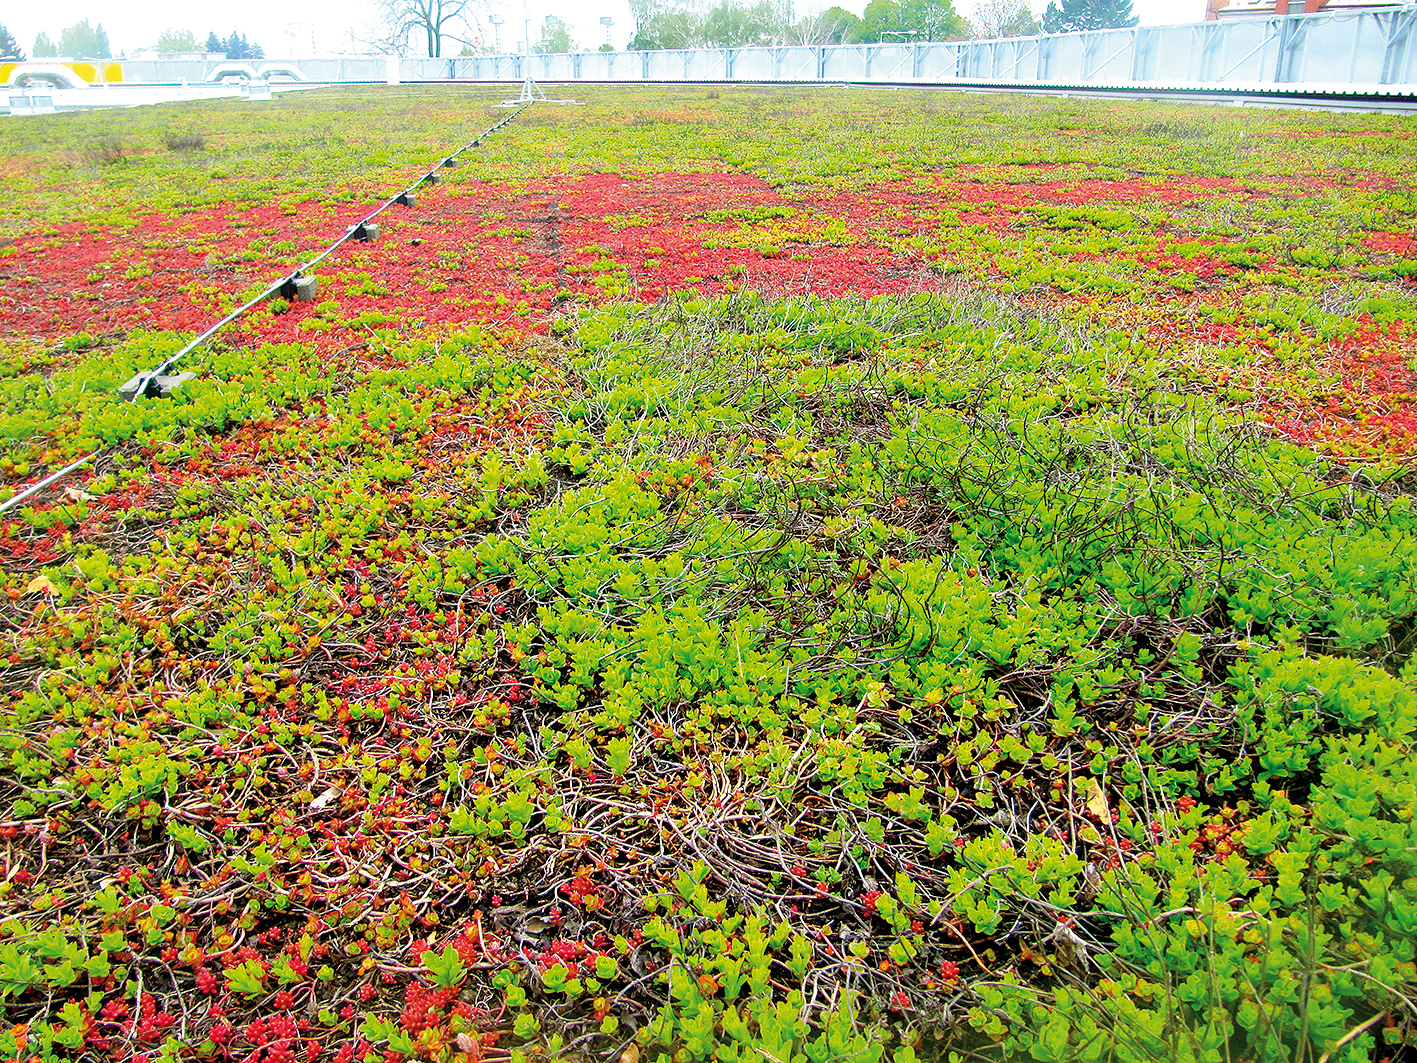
x=1075 y=15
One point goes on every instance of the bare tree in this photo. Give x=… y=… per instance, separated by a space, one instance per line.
x=430 y=20
x=835 y=25
x=1003 y=18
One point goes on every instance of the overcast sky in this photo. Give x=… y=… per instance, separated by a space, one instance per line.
x=320 y=26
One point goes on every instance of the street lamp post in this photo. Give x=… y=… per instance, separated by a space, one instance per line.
x=530 y=90
x=295 y=31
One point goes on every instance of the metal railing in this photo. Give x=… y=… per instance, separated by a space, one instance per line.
x=1363 y=49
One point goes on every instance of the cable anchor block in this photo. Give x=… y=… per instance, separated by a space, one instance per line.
x=300 y=289
x=153 y=385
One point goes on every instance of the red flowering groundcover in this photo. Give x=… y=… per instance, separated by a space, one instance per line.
x=785 y=574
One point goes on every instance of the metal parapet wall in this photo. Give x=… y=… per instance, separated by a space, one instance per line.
x=1359 y=50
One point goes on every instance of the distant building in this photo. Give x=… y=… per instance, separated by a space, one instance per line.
x=1228 y=9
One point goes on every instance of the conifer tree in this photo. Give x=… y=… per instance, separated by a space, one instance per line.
x=9 y=47
x=82 y=41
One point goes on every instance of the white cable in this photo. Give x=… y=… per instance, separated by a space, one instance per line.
x=144 y=379
x=42 y=484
